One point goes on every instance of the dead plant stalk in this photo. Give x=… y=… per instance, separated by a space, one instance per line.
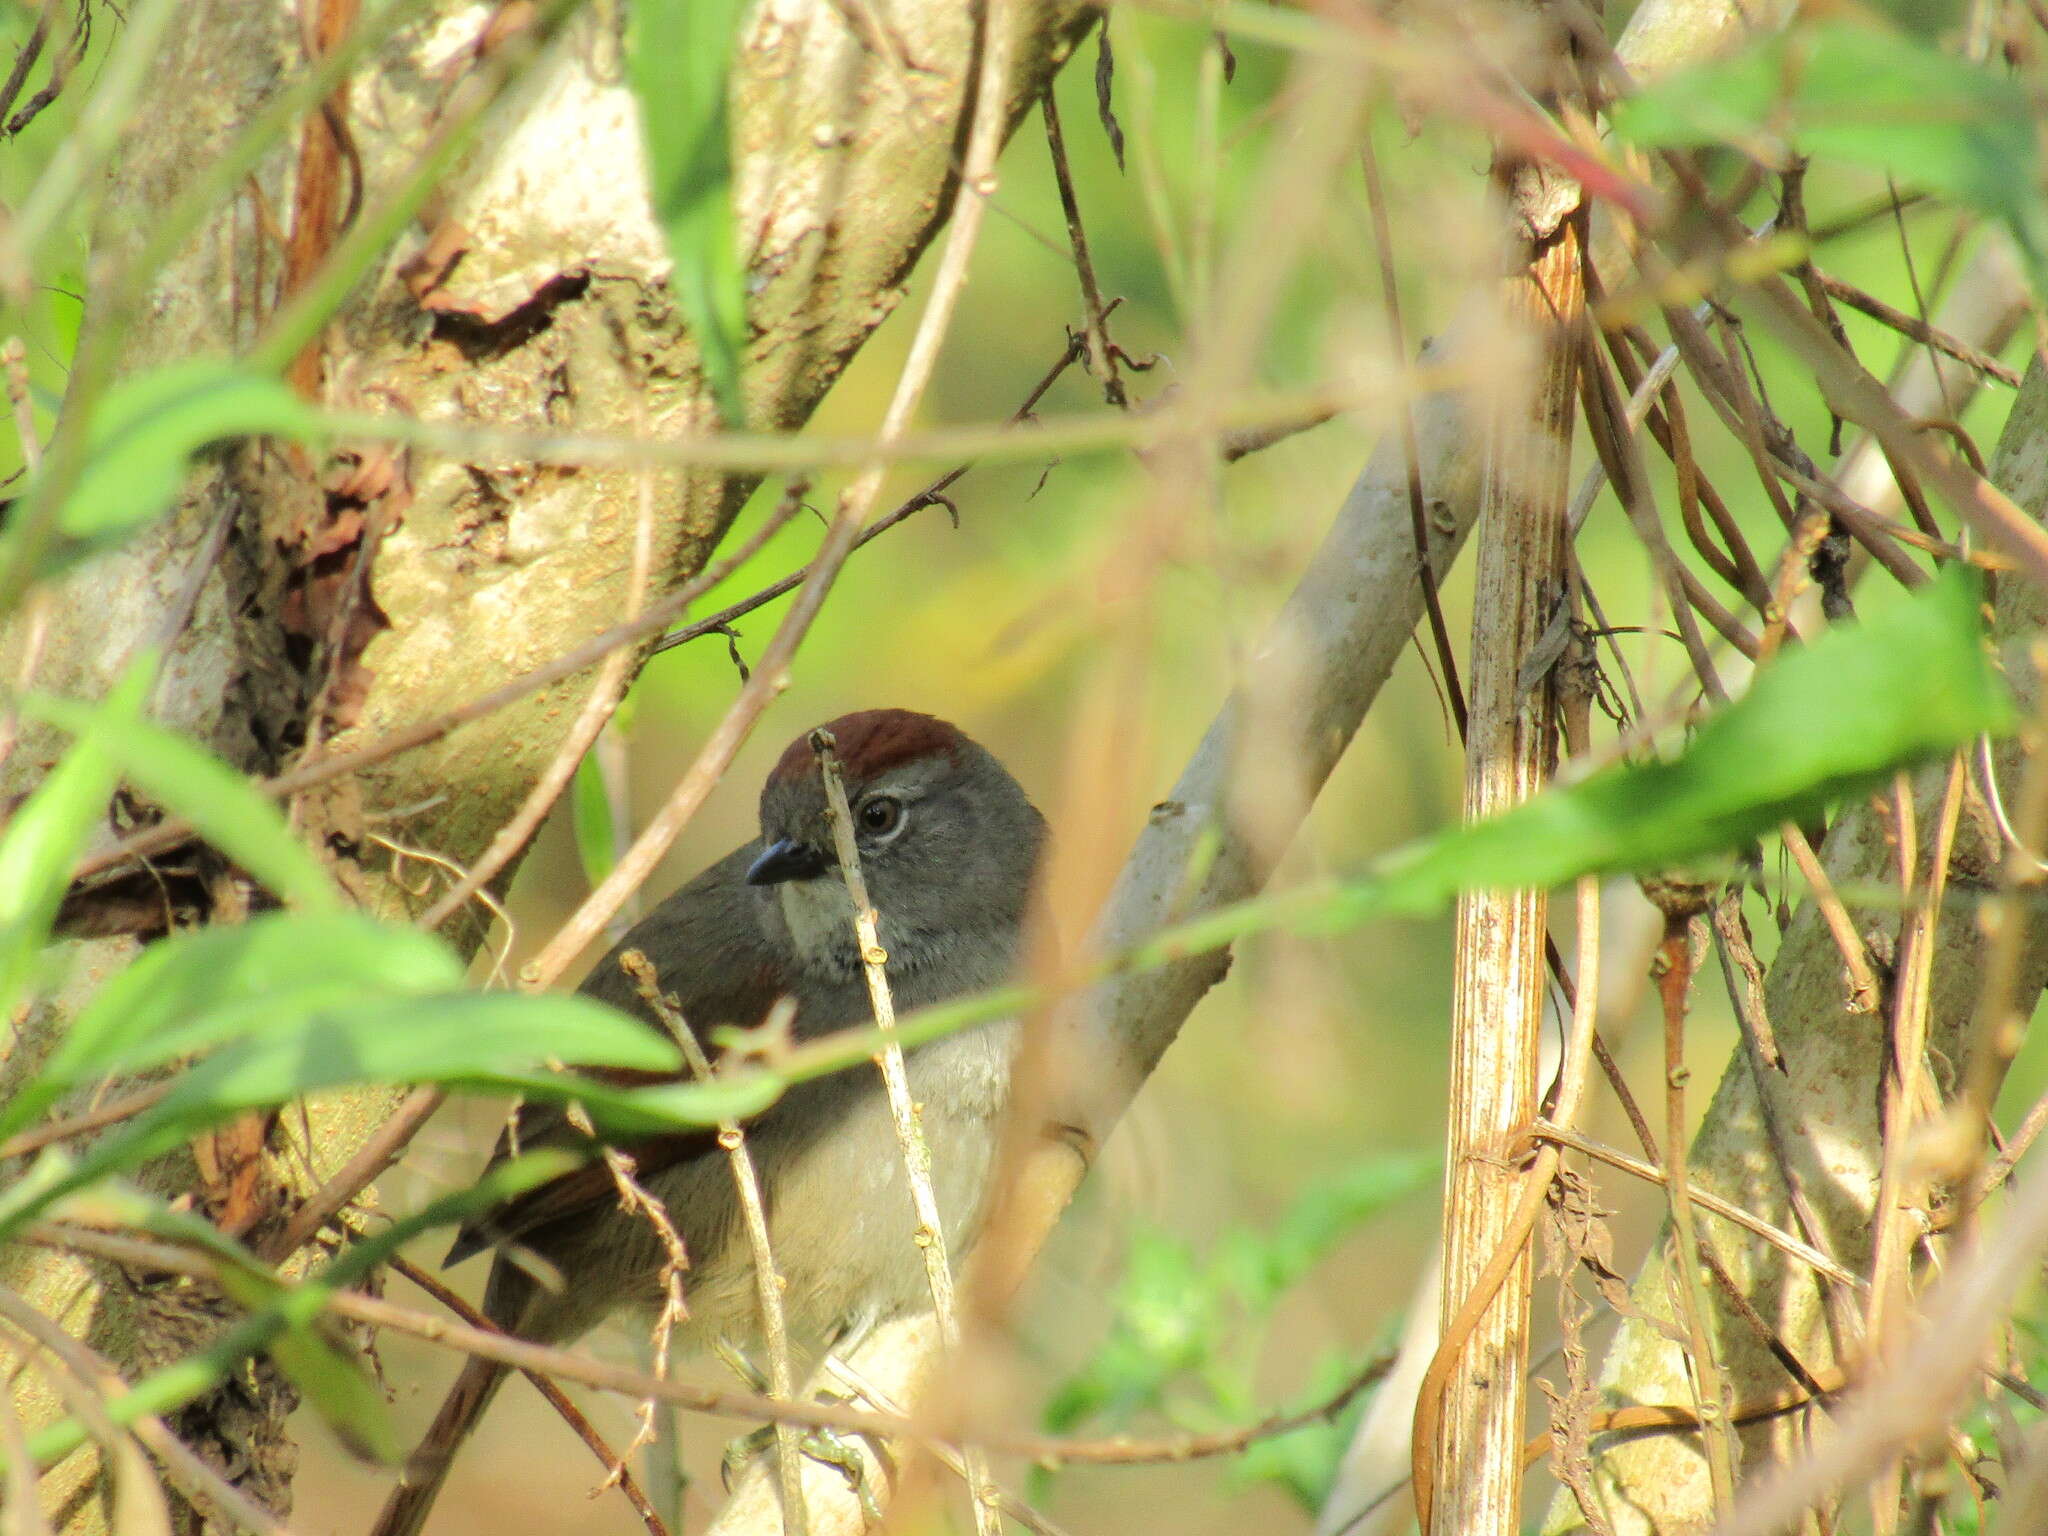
x=1497 y=1006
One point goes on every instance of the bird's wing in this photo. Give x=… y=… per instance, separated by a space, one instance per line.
x=723 y=970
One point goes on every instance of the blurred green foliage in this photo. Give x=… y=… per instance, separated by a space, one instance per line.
x=1189 y=1330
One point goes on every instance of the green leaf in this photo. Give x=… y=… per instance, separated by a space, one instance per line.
x=667 y=1107
x=278 y=1308
x=188 y=992
x=1304 y=1462
x=484 y=1039
x=590 y=814
x=679 y=53
x=229 y=811
x=337 y=1387
x=1907 y=685
x=1870 y=96
x=1912 y=683
x=495 y=1040
x=147 y=429
x=43 y=839
x=1272 y=1263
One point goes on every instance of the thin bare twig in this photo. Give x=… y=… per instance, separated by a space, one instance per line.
x=1126 y=1450
x=126 y=1107
x=1917 y=329
x=1744 y=975
x=1032 y=1519
x=490 y=1343
x=636 y=1199
x=1411 y=453
x=1101 y=354
x=1707 y=1201
x=97 y=1381
x=930 y=1232
x=557 y=1399
x=1920 y=1386
x=768 y=1281
x=1865 y=994
x=933 y=495
x=770 y=676
x=379 y=1152
x=1680 y=906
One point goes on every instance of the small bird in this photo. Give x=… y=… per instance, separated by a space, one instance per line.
x=949 y=843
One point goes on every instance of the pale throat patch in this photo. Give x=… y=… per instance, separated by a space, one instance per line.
x=819 y=914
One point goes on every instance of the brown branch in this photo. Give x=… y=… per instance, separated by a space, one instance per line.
x=1917 y=330
x=1411 y=453
x=126 y=1107
x=557 y=1399
x=1497 y=1004
x=1582 y=1045
x=933 y=495
x=1101 y=354
x=1680 y=906
x=1126 y=1451
x=489 y=1343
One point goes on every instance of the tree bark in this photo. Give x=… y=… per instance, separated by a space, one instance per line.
x=344 y=604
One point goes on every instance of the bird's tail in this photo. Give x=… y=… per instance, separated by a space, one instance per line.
x=405 y=1511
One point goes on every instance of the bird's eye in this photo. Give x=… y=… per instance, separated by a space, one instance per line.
x=881 y=815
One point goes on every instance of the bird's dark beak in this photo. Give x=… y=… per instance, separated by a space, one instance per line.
x=787 y=859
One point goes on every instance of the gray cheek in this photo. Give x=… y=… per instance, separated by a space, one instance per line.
x=819 y=914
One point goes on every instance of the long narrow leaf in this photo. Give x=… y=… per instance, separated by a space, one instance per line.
x=146 y=431
x=191 y=991
x=679 y=54
x=489 y=1040
x=44 y=837
x=229 y=811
